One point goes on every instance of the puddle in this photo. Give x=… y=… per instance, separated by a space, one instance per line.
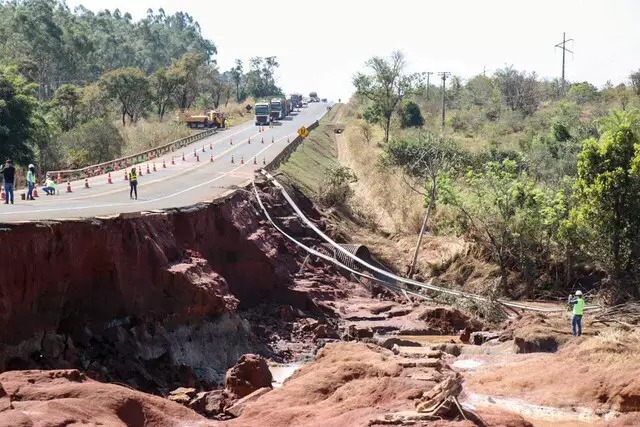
x=467 y=364
x=539 y=416
x=281 y=372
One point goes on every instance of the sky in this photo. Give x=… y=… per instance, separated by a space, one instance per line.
x=320 y=45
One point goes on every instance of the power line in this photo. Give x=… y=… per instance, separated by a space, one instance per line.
x=563 y=45
x=444 y=75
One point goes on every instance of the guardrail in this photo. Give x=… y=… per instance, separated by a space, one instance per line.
x=133 y=159
x=289 y=149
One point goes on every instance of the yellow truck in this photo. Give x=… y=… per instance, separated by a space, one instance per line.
x=206 y=119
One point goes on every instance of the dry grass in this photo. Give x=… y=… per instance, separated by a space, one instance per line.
x=150 y=133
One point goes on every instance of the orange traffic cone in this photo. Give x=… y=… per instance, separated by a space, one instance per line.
x=287 y=140
x=183 y=159
x=2 y=195
x=86 y=183
x=230 y=141
x=164 y=164
x=154 y=167
x=139 y=171
x=59 y=180
x=211 y=146
x=264 y=161
x=194 y=152
x=262 y=141
x=249 y=140
x=212 y=157
x=242 y=160
x=115 y=167
x=255 y=161
x=197 y=158
x=148 y=171
x=69 y=187
x=203 y=150
x=232 y=162
x=35 y=191
x=109 y=181
x=272 y=140
x=173 y=162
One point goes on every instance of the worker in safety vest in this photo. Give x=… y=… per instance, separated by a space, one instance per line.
x=578 y=310
x=133 y=183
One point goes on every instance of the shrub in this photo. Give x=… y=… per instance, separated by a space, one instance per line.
x=335 y=188
x=410 y=115
x=93 y=142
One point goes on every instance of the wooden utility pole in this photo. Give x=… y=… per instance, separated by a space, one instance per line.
x=563 y=45
x=444 y=75
x=428 y=74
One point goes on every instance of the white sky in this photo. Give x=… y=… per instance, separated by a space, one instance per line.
x=321 y=44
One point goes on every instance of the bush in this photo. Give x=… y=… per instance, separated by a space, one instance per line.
x=410 y=115
x=94 y=142
x=335 y=188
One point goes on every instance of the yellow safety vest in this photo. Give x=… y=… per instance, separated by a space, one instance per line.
x=133 y=177
x=578 y=307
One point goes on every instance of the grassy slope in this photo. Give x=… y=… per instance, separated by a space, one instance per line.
x=307 y=165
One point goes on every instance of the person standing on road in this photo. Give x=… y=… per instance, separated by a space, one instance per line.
x=31 y=181
x=9 y=173
x=133 y=183
x=578 y=310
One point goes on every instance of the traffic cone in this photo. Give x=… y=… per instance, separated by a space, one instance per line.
x=115 y=167
x=264 y=161
x=183 y=159
x=211 y=146
x=35 y=191
x=242 y=160
x=126 y=176
x=262 y=141
x=173 y=162
x=139 y=171
x=249 y=140
x=232 y=162
x=2 y=195
x=86 y=183
x=109 y=181
x=148 y=171
x=272 y=140
x=194 y=152
x=197 y=158
x=154 y=167
x=230 y=141
x=287 y=140
x=164 y=164
x=212 y=157
x=59 y=180
x=69 y=187
x=255 y=161
x=203 y=150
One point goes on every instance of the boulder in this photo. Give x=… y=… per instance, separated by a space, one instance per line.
x=388 y=343
x=215 y=401
x=356 y=332
x=324 y=331
x=237 y=408
x=448 y=320
x=248 y=375
x=479 y=338
x=182 y=395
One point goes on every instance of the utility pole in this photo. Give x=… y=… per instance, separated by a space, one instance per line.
x=428 y=74
x=444 y=75
x=563 y=45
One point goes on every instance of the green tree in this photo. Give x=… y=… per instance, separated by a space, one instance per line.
x=17 y=106
x=66 y=106
x=163 y=85
x=635 y=81
x=189 y=70
x=93 y=142
x=608 y=192
x=130 y=88
x=519 y=90
x=236 y=77
x=385 y=87
x=410 y=115
x=582 y=93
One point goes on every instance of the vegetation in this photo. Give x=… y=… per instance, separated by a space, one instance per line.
x=545 y=180
x=65 y=72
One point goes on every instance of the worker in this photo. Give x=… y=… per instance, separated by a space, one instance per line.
x=31 y=181
x=578 y=310
x=8 y=172
x=133 y=183
x=49 y=186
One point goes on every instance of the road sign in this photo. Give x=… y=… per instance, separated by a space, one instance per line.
x=303 y=132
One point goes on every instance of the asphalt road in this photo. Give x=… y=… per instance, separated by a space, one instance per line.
x=183 y=184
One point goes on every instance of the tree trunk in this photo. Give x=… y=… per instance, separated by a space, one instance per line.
x=124 y=117
x=387 y=128
x=432 y=196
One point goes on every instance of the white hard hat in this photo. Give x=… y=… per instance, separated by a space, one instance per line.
x=578 y=292
x=31 y=166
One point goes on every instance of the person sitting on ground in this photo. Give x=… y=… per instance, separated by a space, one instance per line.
x=578 y=310
x=133 y=182
x=49 y=186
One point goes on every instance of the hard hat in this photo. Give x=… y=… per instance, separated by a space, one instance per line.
x=31 y=165
x=578 y=292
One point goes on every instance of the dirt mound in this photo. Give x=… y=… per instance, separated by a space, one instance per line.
x=248 y=375
x=448 y=320
x=56 y=398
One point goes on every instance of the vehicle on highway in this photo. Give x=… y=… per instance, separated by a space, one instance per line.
x=263 y=113
x=296 y=100
x=206 y=119
x=324 y=99
x=278 y=108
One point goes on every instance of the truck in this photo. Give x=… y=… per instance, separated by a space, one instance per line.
x=278 y=108
x=205 y=119
x=296 y=100
x=262 y=110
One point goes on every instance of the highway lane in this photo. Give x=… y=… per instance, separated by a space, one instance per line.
x=183 y=184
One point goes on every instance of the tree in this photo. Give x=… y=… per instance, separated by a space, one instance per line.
x=17 y=105
x=607 y=189
x=518 y=89
x=130 y=88
x=583 y=92
x=313 y=95
x=236 y=77
x=163 y=85
x=260 y=80
x=423 y=157
x=189 y=70
x=93 y=142
x=385 y=87
x=66 y=104
x=410 y=115
x=635 y=82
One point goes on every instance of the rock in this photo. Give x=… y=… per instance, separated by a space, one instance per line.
x=535 y=344
x=388 y=343
x=324 y=332
x=356 y=332
x=198 y=403
x=479 y=338
x=448 y=320
x=497 y=417
x=5 y=402
x=627 y=399
x=237 y=408
x=215 y=401
x=182 y=395
x=248 y=375
x=453 y=349
x=465 y=335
